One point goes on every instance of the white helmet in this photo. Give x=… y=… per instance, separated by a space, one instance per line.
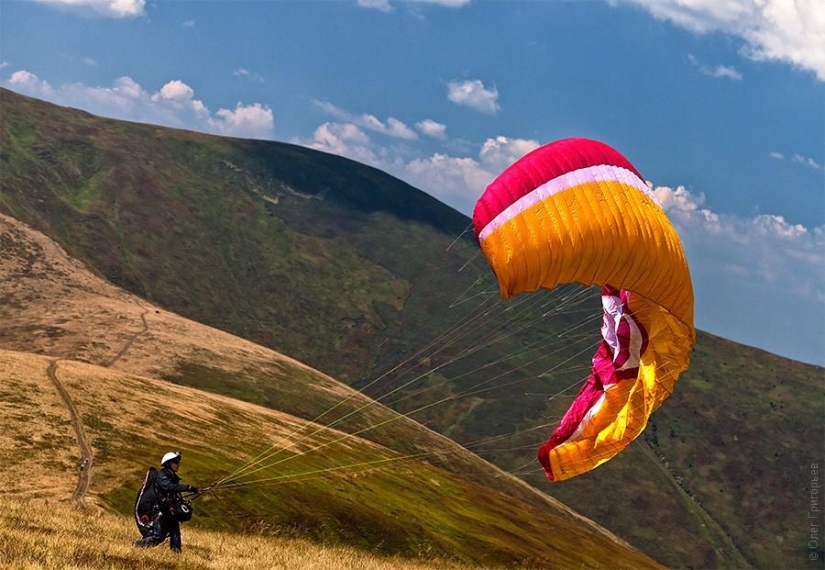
x=173 y=456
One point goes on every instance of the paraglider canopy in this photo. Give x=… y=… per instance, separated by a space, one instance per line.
x=576 y=210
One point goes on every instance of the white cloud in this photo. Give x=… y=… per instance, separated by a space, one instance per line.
x=188 y=24
x=128 y=87
x=385 y=6
x=788 y=31
x=807 y=161
x=173 y=105
x=381 y=5
x=242 y=72
x=344 y=140
x=455 y=180
x=120 y=9
x=254 y=121
x=28 y=83
x=499 y=153
x=396 y=128
x=767 y=249
x=90 y=62
x=473 y=94
x=432 y=129
x=4 y=64
x=392 y=127
x=175 y=91
x=721 y=71
x=758 y=280
x=798 y=159
x=447 y=3
x=459 y=181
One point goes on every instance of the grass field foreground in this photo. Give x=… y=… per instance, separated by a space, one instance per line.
x=53 y=535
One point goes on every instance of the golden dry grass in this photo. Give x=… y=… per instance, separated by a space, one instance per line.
x=37 y=422
x=52 y=536
x=40 y=527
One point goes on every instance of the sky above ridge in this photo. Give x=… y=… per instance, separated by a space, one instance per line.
x=720 y=104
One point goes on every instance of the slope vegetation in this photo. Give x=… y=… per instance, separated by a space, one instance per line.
x=61 y=537
x=86 y=430
x=366 y=279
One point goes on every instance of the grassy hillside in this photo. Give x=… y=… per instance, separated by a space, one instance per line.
x=412 y=509
x=354 y=272
x=60 y=536
x=399 y=489
x=53 y=306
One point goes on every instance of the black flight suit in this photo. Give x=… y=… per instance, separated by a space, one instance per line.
x=167 y=487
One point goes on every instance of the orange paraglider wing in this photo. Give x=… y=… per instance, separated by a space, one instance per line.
x=577 y=211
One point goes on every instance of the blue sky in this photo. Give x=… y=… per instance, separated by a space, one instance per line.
x=719 y=103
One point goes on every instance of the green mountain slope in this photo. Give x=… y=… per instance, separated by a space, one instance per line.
x=378 y=481
x=354 y=272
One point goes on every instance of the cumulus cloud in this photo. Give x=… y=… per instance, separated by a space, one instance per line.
x=253 y=121
x=759 y=280
x=459 y=181
x=432 y=129
x=174 y=91
x=173 y=105
x=766 y=249
x=786 y=31
x=344 y=140
x=392 y=127
x=500 y=152
x=473 y=94
x=721 y=71
x=188 y=24
x=455 y=180
x=120 y=9
x=28 y=83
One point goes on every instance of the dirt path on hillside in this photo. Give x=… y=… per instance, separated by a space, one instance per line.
x=132 y=340
x=84 y=475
